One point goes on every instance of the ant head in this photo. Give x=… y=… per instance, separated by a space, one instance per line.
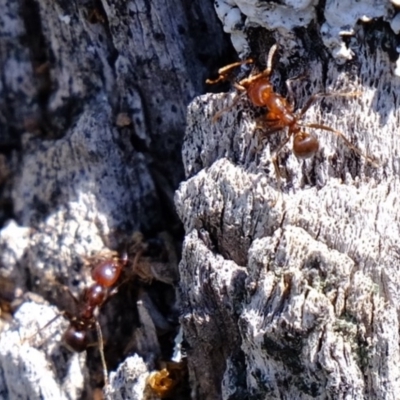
x=259 y=90
x=75 y=339
x=107 y=272
x=305 y=145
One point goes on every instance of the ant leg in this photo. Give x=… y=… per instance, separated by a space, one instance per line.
x=218 y=114
x=269 y=131
x=290 y=96
x=224 y=71
x=344 y=138
x=28 y=339
x=271 y=54
x=70 y=294
x=267 y=71
x=275 y=158
x=101 y=350
x=310 y=102
x=317 y=96
x=270 y=126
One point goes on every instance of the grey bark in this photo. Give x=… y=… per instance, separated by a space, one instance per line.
x=287 y=290
x=290 y=290
x=93 y=99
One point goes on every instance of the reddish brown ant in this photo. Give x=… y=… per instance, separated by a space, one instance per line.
x=280 y=111
x=109 y=272
x=105 y=275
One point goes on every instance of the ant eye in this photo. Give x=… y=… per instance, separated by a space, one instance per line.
x=305 y=145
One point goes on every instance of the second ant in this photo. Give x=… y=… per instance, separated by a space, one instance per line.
x=142 y=265
x=280 y=112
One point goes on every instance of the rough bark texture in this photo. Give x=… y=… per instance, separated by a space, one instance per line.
x=291 y=290
x=287 y=289
x=93 y=99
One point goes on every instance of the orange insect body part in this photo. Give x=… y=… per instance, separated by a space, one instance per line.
x=161 y=382
x=259 y=92
x=304 y=145
x=165 y=382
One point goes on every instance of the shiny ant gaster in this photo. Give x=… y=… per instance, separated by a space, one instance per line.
x=280 y=111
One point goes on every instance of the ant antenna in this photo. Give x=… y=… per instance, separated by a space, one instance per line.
x=101 y=350
x=271 y=53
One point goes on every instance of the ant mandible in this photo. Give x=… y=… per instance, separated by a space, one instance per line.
x=280 y=111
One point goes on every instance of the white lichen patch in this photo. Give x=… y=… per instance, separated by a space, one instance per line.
x=130 y=377
x=236 y=15
x=341 y=19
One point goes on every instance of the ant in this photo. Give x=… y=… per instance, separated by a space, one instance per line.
x=105 y=275
x=280 y=111
x=140 y=259
x=107 y=278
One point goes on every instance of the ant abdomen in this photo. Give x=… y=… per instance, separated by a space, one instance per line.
x=76 y=339
x=305 y=145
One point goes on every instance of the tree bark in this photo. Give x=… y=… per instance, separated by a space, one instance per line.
x=290 y=289
x=92 y=115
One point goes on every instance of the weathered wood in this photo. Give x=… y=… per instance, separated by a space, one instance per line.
x=290 y=290
x=34 y=366
x=287 y=290
x=92 y=114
